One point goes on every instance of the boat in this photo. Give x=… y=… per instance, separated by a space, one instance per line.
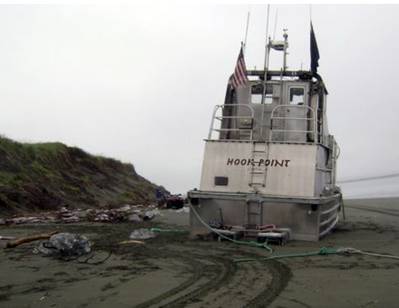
x=270 y=161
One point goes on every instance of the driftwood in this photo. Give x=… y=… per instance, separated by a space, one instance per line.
x=7 y=238
x=28 y=239
x=131 y=242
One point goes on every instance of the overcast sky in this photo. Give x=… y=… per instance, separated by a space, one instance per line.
x=138 y=83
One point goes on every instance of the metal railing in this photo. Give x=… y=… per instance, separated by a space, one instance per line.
x=234 y=119
x=279 y=113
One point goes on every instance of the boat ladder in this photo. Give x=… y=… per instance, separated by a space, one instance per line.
x=257 y=172
x=254 y=215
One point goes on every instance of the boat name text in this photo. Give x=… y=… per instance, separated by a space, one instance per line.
x=260 y=162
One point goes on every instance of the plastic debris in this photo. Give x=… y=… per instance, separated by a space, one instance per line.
x=149 y=215
x=142 y=234
x=65 y=245
x=134 y=218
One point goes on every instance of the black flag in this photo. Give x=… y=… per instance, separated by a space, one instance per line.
x=314 y=51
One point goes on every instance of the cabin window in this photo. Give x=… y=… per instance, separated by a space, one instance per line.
x=221 y=181
x=257 y=90
x=257 y=99
x=297 y=96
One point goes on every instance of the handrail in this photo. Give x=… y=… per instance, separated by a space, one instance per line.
x=293 y=118
x=220 y=107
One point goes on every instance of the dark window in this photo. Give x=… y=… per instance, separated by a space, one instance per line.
x=221 y=180
x=297 y=96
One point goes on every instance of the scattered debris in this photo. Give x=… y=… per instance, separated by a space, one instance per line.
x=29 y=239
x=142 y=234
x=65 y=245
x=131 y=213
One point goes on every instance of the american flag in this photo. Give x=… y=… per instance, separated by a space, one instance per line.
x=239 y=78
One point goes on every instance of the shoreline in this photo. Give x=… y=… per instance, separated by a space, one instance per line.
x=173 y=270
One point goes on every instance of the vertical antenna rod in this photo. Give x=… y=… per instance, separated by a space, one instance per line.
x=265 y=72
x=275 y=24
x=246 y=31
x=266 y=56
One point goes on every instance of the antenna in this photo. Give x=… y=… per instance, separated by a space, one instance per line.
x=246 y=32
x=275 y=24
x=266 y=64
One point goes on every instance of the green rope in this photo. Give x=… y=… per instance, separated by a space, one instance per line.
x=253 y=244
x=247 y=243
x=159 y=230
x=321 y=252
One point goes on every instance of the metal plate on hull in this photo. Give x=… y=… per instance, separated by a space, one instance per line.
x=281 y=169
x=308 y=218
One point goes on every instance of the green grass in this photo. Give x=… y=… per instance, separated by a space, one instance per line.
x=47 y=175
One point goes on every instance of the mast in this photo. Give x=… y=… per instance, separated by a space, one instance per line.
x=285 y=35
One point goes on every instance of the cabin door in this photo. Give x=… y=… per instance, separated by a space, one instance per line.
x=295 y=112
x=295 y=93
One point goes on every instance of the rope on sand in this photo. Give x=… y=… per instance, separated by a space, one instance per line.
x=159 y=230
x=324 y=251
x=247 y=243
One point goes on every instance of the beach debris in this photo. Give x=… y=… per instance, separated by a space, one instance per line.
x=28 y=239
x=25 y=220
x=65 y=245
x=134 y=218
x=142 y=234
x=124 y=208
x=67 y=216
x=131 y=242
x=126 y=213
x=6 y=238
x=149 y=215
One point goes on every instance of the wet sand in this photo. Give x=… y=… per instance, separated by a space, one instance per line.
x=174 y=271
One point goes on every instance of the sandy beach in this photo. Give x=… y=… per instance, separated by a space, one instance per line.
x=175 y=271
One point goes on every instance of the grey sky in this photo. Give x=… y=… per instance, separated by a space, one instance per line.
x=138 y=83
